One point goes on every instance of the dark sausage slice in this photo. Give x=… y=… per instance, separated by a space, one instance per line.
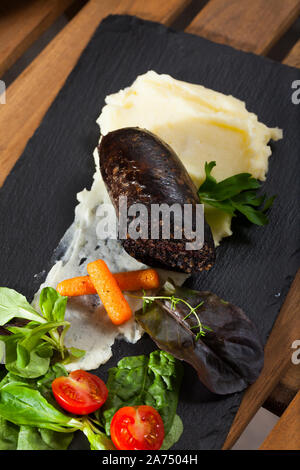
x=137 y=164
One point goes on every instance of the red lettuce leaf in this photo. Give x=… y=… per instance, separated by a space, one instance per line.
x=227 y=358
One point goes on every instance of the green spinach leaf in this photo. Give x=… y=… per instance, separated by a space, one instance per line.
x=142 y=380
x=42 y=439
x=8 y=435
x=174 y=434
x=44 y=384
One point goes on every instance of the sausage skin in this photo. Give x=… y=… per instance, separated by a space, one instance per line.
x=137 y=164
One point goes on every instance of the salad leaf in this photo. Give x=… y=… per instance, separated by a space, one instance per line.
x=52 y=304
x=29 y=349
x=98 y=440
x=14 y=437
x=56 y=440
x=8 y=435
x=30 y=418
x=26 y=364
x=2 y=351
x=42 y=439
x=235 y=194
x=22 y=405
x=44 y=384
x=227 y=358
x=174 y=434
x=143 y=380
x=15 y=305
x=72 y=355
x=33 y=337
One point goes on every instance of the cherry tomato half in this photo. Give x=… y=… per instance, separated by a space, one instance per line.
x=137 y=428
x=80 y=393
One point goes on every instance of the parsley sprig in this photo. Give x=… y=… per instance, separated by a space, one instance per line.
x=235 y=194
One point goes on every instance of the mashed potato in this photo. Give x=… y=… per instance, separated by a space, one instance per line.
x=200 y=125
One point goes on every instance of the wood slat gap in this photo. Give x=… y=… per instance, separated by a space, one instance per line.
x=284 y=45
x=21 y=23
x=189 y=13
x=286 y=433
x=285 y=391
x=293 y=57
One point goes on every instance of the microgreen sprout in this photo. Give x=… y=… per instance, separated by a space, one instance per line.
x=148 y=300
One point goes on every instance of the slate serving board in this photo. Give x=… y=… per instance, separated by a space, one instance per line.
x=254 y=268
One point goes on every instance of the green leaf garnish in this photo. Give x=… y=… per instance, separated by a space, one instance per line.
x=235 y=194
x=148 y=300
x=143 y=380
x=30 y=349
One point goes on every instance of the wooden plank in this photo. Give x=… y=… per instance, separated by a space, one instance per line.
x=21 y=23
x=293 y=58
x=278 y=354
x=285 y=391
x=286 y=433
x=30 y=95
x=251 y=26
x=155 y=10
x=289 y=384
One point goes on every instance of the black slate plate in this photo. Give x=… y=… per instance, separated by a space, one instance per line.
x=254 y=268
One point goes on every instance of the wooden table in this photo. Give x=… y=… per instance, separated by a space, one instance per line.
x=254 y=26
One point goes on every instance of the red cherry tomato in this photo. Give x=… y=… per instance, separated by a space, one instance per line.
x=80 y=393
x=137 y=428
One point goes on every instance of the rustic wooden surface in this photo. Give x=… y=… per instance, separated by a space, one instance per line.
x=31 y=94
x=289 y=383
x=278 y=354
x=293 y=58
x=21 y=23
x=286 y=389
x=253 y=27
x=285 y=434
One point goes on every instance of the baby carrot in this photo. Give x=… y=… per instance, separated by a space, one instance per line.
x=109 y=292
x=136 y=280
x=128 y=281
x=76 y=286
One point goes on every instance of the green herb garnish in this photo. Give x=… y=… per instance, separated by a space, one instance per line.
x=30 y=349
x=235 y=194
x=148 y=300
x=174 y=301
